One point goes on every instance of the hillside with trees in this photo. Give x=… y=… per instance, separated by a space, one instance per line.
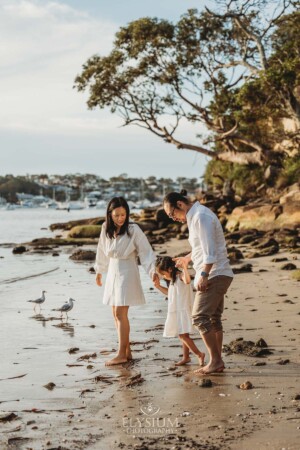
x=233 y=70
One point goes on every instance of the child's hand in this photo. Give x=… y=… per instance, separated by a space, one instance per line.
x=156 y=282
x=155 y=277
x=99 y=279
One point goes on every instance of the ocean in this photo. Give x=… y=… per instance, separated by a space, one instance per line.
x=21 y=225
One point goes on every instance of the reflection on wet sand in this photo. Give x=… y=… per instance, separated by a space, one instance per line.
x=65 y=326
x=68 y=328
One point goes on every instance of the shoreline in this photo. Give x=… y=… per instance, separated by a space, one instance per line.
x=94 y=407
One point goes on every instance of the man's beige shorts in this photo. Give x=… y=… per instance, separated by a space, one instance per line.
x=209 y=306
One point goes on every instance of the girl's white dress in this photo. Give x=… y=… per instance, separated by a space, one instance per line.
x=118 y=257
x=180 y=303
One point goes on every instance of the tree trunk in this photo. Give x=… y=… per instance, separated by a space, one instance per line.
x=245 y=158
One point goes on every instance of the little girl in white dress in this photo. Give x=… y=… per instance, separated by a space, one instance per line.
x=180 y=302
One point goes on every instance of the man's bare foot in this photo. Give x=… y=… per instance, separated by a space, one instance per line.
x=183 y=361
x=210 y=368
x=116 y=360
x=201 y=358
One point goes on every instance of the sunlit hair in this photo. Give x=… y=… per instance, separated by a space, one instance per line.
x=114 y=203
x=173 y=197
x=164 y=263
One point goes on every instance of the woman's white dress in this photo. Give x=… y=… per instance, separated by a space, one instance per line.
x=118 y=257
x=180 y=303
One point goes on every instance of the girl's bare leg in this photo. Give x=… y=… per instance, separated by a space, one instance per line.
x=186 y=355
x=121 y=316
x=188 y=341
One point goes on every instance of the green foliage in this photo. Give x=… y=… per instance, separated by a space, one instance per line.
x=290 y=172
x=243 y=179
x=233 y=70
x=10 y=185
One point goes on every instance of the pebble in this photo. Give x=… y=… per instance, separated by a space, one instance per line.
x=205 y=382
x=50 y=386
x=246 y=385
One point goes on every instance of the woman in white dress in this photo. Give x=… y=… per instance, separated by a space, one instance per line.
x=120 y=243
x=180 y=303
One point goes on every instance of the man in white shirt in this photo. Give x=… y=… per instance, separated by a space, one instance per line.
x=213 y=273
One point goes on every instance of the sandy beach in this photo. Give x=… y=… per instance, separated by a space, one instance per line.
x=148 y=403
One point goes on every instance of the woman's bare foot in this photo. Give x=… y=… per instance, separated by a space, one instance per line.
x=129 y=355
x=201 y=358
x=116 y=360
x=210 y=368
x=183 y=361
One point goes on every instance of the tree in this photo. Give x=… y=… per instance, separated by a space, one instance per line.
x=210 y=68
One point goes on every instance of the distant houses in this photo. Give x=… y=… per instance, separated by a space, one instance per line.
x=90 y=188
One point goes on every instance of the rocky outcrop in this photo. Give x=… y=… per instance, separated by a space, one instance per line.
x=73 y=223
x=290 y=195
x=284 y=211
x=261 y=217
x=85 y=231
x=19 y=249
x=83 y=255
x=61 y=242
x=147 y=225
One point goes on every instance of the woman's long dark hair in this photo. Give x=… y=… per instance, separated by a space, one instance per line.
x=114 y=203
x=165 y=263
x=173 y=197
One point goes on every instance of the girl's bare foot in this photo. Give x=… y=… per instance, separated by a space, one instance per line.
x=201 y=358
x=183 y=361
x=116 y=360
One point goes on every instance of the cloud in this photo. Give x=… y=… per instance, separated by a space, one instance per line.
x=43 y=46
x=44 y=122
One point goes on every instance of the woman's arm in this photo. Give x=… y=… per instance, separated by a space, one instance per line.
x=102 y=261
x=145 y=252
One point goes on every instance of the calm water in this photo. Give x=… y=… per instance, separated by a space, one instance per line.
x=21 y=225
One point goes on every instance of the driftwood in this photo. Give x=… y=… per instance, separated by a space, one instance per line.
x=12 y=378
x=14 y=280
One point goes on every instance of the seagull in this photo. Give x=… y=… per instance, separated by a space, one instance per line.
x=66 y=307
x=38 y=301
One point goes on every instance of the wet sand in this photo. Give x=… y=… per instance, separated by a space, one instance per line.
x=146 y=404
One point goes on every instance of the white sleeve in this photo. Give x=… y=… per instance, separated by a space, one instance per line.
x=144 y=251
x=101 y=263
x=205 y=228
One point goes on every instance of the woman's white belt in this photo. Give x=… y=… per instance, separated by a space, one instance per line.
x=130 y=257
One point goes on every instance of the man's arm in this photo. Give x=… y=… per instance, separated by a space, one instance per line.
x=203 y=280
x=206 y=233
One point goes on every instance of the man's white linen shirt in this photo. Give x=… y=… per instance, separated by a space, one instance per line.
x=207 y=240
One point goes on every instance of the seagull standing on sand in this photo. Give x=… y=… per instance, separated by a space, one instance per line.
x=66 y=307
x=38 y=301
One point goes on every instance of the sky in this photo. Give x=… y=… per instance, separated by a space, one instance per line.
x=45 y=126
